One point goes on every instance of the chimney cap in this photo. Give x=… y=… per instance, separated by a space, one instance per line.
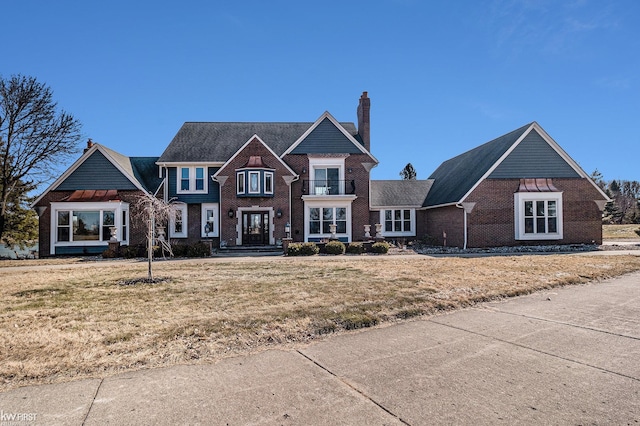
x=364 y=94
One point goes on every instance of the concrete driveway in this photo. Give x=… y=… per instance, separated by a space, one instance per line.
x=567 y=356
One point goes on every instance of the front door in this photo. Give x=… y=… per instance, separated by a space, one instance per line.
x=255 y=228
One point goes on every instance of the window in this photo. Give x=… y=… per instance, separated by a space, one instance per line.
x=178 y=222
x=538 y=215
x=184 y=179
x=191 y=179
x=88 y=223
x=125 y=225
x=268 y=183
x=320 y=219
x=209 y=215
x=199 y=179
x=240 y=183
x=254 y=182
x=397 y=220
x=327 y=181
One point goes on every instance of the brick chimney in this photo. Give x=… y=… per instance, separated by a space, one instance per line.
x=89 y=145
x=363 y=120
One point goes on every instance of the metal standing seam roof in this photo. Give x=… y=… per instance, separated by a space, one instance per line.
x=402 y=193
x=218 y=141
x=455 y=177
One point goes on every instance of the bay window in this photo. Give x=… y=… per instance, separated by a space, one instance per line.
x=88 y=223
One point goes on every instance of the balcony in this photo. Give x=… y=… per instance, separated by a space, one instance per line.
x=328 y=187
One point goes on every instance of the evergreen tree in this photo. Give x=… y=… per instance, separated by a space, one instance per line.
x=408 y=173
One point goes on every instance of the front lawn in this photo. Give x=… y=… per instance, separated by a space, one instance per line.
x=65 y=322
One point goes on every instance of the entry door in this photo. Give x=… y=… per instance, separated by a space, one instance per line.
x=255 y=228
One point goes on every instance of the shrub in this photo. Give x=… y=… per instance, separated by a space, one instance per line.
x=293 y=249
x=109 y=254
x=309 y=249
x=302 y=249
x=198 y=250
x=130 y=252
x=355 y=248
x=179 y=250
x=334 y=247
x=380 y=247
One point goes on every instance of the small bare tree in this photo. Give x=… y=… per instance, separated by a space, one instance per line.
x=156 y=213
x=34 y=137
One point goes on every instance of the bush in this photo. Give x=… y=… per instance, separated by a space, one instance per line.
x=355 y=248
x=302 y=249
x=198 y=250
x=381 y=247
x=109 y=254
x=334 y=247
x=130 y=252
x=179 y=250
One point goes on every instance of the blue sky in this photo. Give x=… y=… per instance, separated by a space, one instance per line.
x=443 y=77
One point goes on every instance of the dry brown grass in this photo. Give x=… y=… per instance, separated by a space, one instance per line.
x=80 y=321
x=616 y=232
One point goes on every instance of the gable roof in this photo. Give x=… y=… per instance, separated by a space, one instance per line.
x=399 y=193
x=326 y=135
x=456 y=178
x=141 y=172
x=218 y=142
x=251 y=139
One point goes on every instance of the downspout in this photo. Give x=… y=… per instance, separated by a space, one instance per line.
x=468 y=207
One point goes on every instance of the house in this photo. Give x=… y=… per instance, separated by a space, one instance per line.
x=257 y=183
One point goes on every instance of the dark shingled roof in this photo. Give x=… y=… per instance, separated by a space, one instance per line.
x=401 y=193
x=217 y=142
x=455 y=177
x=142 y=169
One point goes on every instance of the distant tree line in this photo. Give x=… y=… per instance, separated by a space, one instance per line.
x=625 y=195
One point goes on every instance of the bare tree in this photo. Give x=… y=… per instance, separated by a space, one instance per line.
x=156 y=213
x=34 y=136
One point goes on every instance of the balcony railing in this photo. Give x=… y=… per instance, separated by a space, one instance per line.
x=328 y=187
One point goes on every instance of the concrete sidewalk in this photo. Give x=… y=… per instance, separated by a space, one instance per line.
x=566 y=356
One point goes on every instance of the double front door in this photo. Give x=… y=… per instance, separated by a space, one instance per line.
x=255 y=228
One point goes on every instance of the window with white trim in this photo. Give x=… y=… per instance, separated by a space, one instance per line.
x=268 y=182
x=178 y=221
x=210 y=223
x=398 y=222
x=538 y=215
x=88 y=223
x=254 y=182
x=240 y=188
x=320 y=219
x=191 y=179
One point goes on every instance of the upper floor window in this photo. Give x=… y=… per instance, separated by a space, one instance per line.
x=191 y=179
x=254 y=183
